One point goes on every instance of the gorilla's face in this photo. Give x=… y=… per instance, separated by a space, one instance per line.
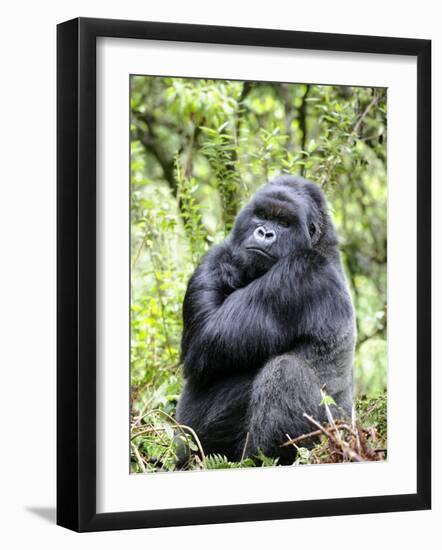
x=284 y=216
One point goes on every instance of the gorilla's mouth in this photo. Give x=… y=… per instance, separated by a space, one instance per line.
x=261 y=251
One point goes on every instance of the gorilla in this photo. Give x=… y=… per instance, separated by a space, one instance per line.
x=268 y=322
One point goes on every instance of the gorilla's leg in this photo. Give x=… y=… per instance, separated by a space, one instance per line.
x=218 y=414
x=283 y=390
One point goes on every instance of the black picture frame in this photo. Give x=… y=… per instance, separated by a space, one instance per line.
x=76 y=273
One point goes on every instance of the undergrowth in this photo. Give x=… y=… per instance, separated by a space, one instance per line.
x=159 y=443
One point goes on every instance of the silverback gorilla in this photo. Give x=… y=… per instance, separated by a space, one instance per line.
x=268 y=321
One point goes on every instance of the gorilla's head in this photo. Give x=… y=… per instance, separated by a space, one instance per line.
x=286 y=215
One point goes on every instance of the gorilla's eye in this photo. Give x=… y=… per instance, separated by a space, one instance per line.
x=312 y=229
x=261 y=214
x=284 y=223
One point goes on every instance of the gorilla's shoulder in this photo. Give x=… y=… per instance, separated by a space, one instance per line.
x=312 y=259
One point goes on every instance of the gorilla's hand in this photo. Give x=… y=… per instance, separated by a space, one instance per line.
x=227 y=270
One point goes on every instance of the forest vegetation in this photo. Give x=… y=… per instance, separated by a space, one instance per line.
x=199 y=150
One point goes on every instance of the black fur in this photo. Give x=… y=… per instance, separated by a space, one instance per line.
x=268 y=320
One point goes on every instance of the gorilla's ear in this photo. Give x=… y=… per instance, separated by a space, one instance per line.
x=314 y=232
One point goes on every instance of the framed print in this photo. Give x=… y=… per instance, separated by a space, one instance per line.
x=243 y=274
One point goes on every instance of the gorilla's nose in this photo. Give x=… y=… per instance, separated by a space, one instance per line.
x=263 y=235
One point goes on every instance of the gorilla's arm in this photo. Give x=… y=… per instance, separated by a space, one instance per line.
x=230 y=328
